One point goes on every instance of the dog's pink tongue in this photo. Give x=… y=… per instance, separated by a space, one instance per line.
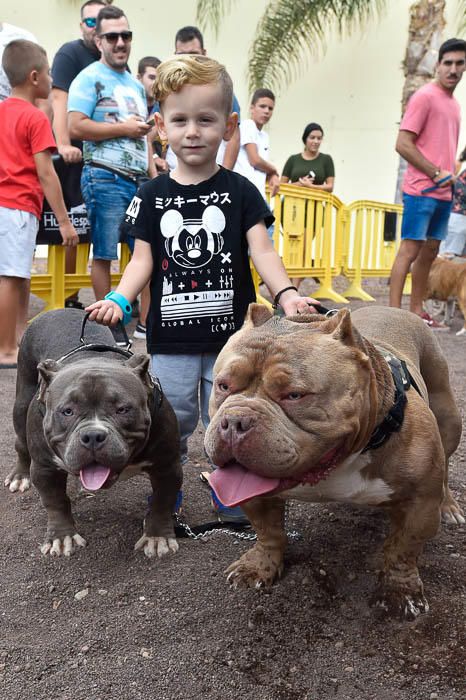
x=234 y=485
x=94 y=476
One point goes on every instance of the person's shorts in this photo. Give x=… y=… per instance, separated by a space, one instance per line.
x=18 y=231
x=106 y=196
x=424 y=217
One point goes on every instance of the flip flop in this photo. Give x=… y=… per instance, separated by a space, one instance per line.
x=8 y=365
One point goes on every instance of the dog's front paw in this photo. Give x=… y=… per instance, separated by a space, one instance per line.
x=451 y=512
x=255 y=569
x=16 y=481
x=63 y=546
x=157 y=546
x=404 y=606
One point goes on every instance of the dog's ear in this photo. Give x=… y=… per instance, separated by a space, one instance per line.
x=341 y=327
x=257 y=315
x=139 y=363
x=47 y=370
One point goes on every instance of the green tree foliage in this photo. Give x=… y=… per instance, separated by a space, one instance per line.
x=290 y=31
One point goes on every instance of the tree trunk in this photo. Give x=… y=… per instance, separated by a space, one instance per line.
x=426 y=25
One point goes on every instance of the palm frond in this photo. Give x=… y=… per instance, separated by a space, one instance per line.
x=211 y=12
x=292 y=30
x=461 y=18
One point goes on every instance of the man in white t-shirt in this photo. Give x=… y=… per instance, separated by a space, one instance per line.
x=252 y=161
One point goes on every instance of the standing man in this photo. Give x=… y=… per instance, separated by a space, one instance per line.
x=107 y=110
x=428 y=140
x=71 y=59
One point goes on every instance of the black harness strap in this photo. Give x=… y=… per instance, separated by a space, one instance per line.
x=394 y=418
x=102 y=347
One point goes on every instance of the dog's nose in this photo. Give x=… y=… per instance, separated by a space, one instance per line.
x=93 y=439
x=236 y=425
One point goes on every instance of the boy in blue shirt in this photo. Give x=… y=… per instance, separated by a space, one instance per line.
x=195 y=229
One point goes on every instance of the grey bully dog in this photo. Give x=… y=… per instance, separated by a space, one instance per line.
x=96 y=414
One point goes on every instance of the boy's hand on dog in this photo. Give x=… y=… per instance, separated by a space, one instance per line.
x=105 y=311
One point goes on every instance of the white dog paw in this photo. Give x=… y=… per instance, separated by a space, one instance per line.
x=157 y=546
x=65 y=546
x=462 y=331
x=453 y=516
x=18 y=483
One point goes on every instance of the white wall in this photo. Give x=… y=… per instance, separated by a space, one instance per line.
x=354 y=90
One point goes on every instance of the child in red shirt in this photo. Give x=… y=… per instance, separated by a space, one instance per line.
x=26 y=173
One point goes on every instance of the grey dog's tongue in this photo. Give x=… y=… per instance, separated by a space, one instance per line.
x=94 y=476
x=235 y=484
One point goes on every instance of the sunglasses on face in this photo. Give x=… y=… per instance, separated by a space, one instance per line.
x=90 y=22
x=112 y=37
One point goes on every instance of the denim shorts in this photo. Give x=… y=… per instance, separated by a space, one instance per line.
x=18 y=231
x=424 y=217
x=106 y=196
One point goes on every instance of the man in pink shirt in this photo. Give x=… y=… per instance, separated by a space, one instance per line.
x=428 y=140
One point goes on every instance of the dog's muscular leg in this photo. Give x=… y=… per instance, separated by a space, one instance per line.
x=61 y=531
x=442 y=404
x=159 y=538
x=400 y=590
x=262 y=564
x=19 y=477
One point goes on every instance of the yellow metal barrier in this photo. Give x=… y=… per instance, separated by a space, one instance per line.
x=366 y=253
x=54 y=286
x=315 y=234
x=308 y=236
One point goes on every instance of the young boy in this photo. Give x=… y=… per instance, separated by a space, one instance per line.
x=193 y=229
x=254 y=151
x=26 y=173
x=146 y=75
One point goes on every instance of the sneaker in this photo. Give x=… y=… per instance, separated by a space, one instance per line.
x=140 y=331
x=120 y=336
x=432 y=323
x=74 y=304
x=227 y=513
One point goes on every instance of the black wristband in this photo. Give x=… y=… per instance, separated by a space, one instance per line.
x=278 y=295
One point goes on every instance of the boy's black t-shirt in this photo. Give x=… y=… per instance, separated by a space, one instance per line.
x=201 y=281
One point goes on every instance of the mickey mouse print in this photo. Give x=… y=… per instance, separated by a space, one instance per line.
x=201 y=281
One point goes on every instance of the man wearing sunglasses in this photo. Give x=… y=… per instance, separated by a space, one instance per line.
x=107 y=110
x=70 y=60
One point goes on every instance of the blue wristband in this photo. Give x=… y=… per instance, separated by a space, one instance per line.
x=123 y=303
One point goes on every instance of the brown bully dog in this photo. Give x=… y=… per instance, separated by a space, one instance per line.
x=295 y=403
x=447 y=281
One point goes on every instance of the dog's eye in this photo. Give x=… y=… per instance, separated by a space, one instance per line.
x=123 y=409
x=294 y=396
x=67 y=412
x=223 y=387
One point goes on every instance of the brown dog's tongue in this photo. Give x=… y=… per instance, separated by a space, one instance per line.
x=234 y=485
x=94 y=476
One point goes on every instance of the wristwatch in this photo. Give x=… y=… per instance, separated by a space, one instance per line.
x=436 y=174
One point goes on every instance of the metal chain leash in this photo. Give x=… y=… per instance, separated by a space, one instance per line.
x=238 y=534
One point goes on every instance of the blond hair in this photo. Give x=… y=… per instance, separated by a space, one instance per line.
x=190 y=69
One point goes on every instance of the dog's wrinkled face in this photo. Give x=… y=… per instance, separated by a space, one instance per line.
x=96 y=415
x=290 y=401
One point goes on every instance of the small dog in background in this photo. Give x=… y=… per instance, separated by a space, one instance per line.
x=447 y=283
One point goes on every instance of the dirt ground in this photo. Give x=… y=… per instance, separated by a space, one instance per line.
x=174 y=630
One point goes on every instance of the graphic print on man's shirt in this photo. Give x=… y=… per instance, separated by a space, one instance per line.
x=191 y=244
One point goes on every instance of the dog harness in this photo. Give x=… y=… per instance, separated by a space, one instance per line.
x=157 y=396
x=393 y=421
